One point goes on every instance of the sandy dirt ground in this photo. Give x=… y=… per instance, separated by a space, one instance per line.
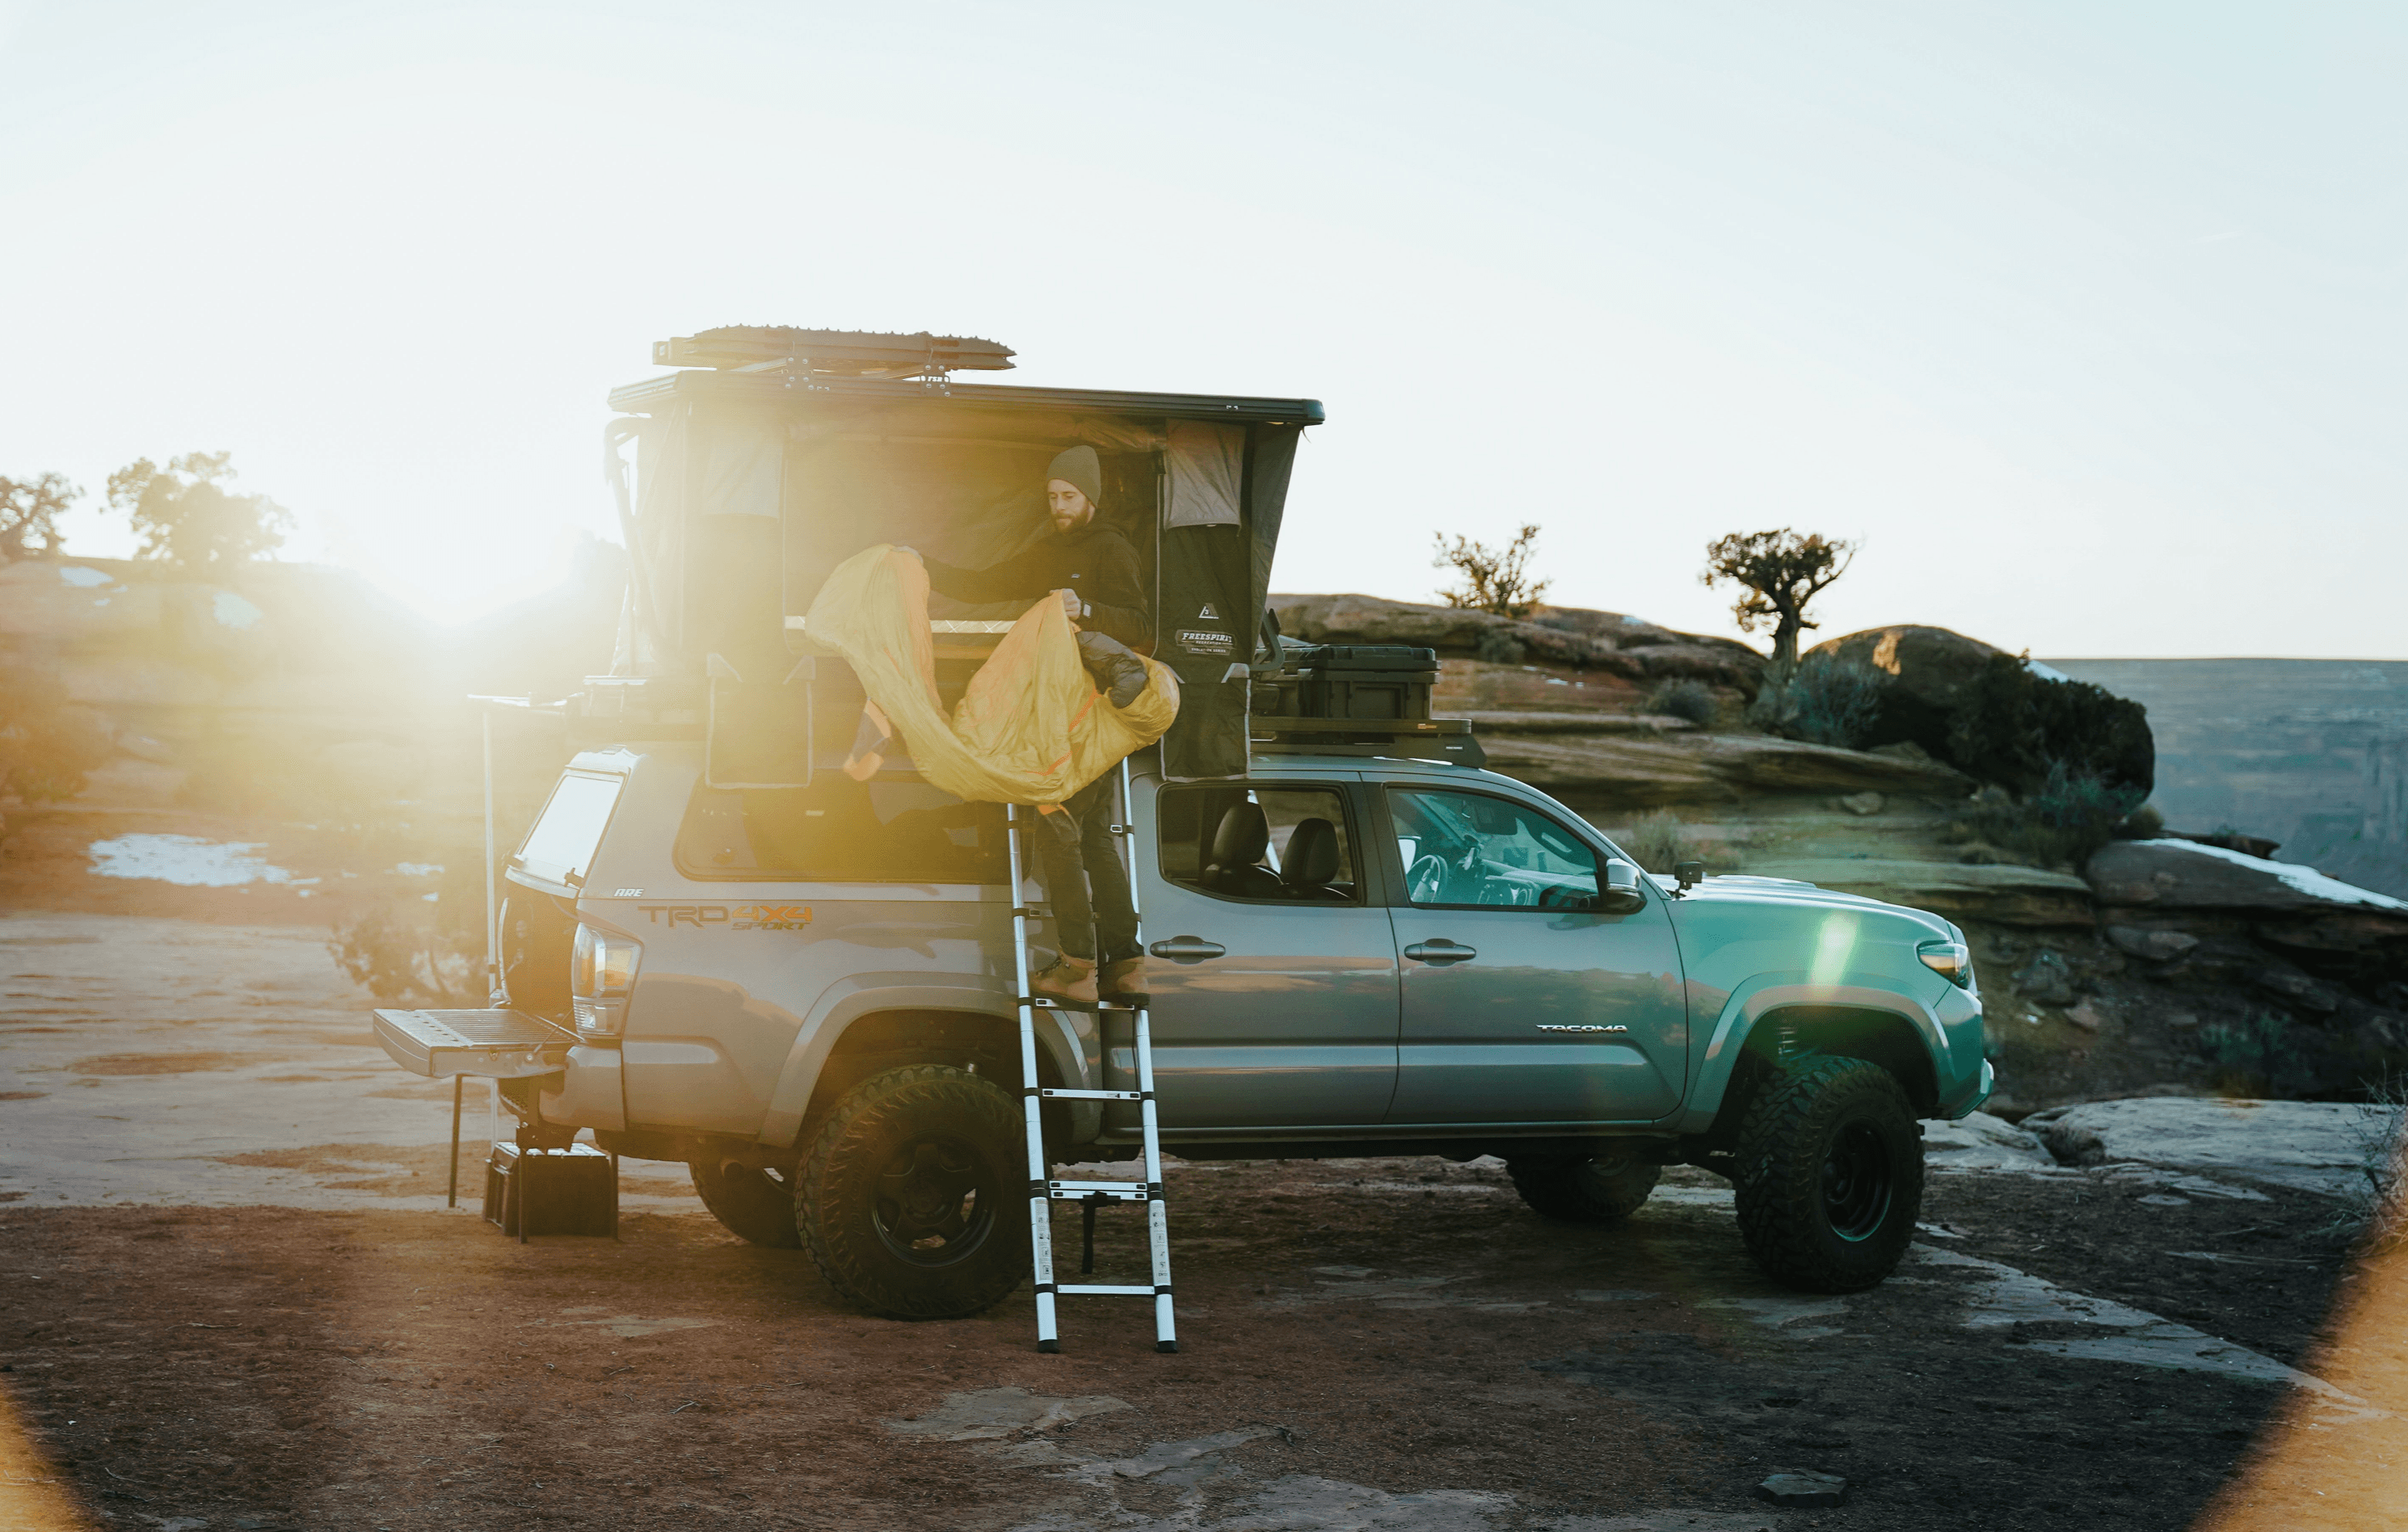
x=235 y=1298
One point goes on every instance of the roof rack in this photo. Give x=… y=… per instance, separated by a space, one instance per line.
x=835 y=353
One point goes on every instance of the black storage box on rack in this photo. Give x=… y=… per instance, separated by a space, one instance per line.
x=1350 y=680
x=552 y=1190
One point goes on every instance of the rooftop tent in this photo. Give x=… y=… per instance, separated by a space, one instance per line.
x=759 y=474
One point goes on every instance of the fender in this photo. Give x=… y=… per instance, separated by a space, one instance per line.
x=1767 y=993
x=849 y=1000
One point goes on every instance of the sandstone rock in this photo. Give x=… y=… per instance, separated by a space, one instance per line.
x=1862 y=804
x=2320 y=1146
x=1803 y=1489
x=2009 y=895
x=2046 y=980
x=2322 y=921
x=2298 y=988
x=1612 y=771
x=1610 y=641
x=1926 y=673
x=1979 y=1141
x=2087 y=1016
x=2184 y=875
x=2154 y=945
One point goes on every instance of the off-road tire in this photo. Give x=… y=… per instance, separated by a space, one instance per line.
x=1829 y=1175
x=1605 y=1189
x=931 y=1133
x=753 y=1205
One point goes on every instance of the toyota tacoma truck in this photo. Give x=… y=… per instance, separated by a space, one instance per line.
x=716 y=949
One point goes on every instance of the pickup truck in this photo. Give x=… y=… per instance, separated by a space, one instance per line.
x=804 y=994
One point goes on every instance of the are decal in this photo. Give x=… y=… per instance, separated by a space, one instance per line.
x=742 y=917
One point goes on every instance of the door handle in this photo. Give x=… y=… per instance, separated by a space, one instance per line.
x=1187 y=949
x=1441 y=951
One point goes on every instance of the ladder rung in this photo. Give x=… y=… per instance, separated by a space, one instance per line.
x=1136 y=1186
x=1115 y=1004
x=1098 y=1290
x=1092 y=1095
x=1110 y=1197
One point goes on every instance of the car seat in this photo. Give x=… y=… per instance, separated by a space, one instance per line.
x=1310 y=862
x=1232 y=865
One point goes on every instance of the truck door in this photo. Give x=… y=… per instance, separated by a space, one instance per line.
x=1520 y=1004
x=1273 y=970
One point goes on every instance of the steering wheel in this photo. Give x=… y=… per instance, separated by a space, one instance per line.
x=1427 y=883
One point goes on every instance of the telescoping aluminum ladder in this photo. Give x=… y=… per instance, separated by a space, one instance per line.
x=1043 y=1190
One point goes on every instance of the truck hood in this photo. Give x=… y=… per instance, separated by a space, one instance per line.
x=1788 y=894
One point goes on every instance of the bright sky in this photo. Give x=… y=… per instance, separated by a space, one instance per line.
x=2087 y=318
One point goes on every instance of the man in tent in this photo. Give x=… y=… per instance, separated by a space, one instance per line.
x=1094 y=570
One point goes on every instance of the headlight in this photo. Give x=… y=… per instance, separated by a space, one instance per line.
x=601 y=975
x=1951 y=960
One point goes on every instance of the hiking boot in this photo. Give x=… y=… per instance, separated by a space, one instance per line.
x=1123 y=977
x=1070 y=980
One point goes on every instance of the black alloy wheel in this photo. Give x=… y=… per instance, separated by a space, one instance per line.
x=936 y=1201
x=1857 y=1184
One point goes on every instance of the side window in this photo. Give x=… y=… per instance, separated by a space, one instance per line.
x=1470 y=849
x=1282 y=844
x=841 y=831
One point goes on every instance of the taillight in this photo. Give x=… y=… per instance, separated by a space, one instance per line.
x=601 y=975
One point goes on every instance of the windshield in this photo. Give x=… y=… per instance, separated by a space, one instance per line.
x=560 y=848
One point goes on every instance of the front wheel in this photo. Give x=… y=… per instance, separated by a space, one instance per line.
x=1605 y=1189
x=1829 y=1175
x=913 y=1201
x=756 y=1205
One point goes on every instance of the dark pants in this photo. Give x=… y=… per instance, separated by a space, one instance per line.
x=1070 y=871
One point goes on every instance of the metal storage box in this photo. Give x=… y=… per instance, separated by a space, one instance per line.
x=552 y=1190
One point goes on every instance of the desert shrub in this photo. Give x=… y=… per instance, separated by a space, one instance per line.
x=2375 y=1215
x=2258 y=1056
x=2146 y=822
x=1825 y=701
x=407 y=948
x=1659 y=841
x=48 y=745
x=2014 y=728
x=2072 y=814
x=1499 y=646
x=1691 y=699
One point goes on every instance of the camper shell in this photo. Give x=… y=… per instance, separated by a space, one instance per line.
x=715 y=946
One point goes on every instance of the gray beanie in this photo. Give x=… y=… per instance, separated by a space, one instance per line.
x=1079 y=467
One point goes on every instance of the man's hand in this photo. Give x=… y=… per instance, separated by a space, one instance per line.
x=1069 y=604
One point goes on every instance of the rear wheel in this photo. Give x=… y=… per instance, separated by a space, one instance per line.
x=1829 y=1175
x=912 y=1199
x=1605 y=1189
x=752 y=1204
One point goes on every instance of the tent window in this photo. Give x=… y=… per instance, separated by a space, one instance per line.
x=1207 y=464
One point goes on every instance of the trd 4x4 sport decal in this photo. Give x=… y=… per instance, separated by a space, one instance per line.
x=742 y=917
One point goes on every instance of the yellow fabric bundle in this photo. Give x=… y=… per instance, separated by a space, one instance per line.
x=1031 y=728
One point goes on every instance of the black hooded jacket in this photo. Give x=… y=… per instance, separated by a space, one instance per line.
x=1095 y=560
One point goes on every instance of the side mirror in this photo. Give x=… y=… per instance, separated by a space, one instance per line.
x=1620 y=894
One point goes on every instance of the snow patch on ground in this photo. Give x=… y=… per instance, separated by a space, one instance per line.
x=76 y=574
x=2306 y=880
x=233 y=611
x=184 y=859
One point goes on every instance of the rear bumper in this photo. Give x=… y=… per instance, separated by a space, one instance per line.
x=501 y=1044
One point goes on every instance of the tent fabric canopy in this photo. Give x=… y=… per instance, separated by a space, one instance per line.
x=751 y=496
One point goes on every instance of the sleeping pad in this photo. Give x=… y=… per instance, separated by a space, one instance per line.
x=1031 y=728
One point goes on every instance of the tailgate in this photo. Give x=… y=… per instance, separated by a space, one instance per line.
x=504 y=1044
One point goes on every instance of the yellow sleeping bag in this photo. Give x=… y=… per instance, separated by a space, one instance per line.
x=1031 y=729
